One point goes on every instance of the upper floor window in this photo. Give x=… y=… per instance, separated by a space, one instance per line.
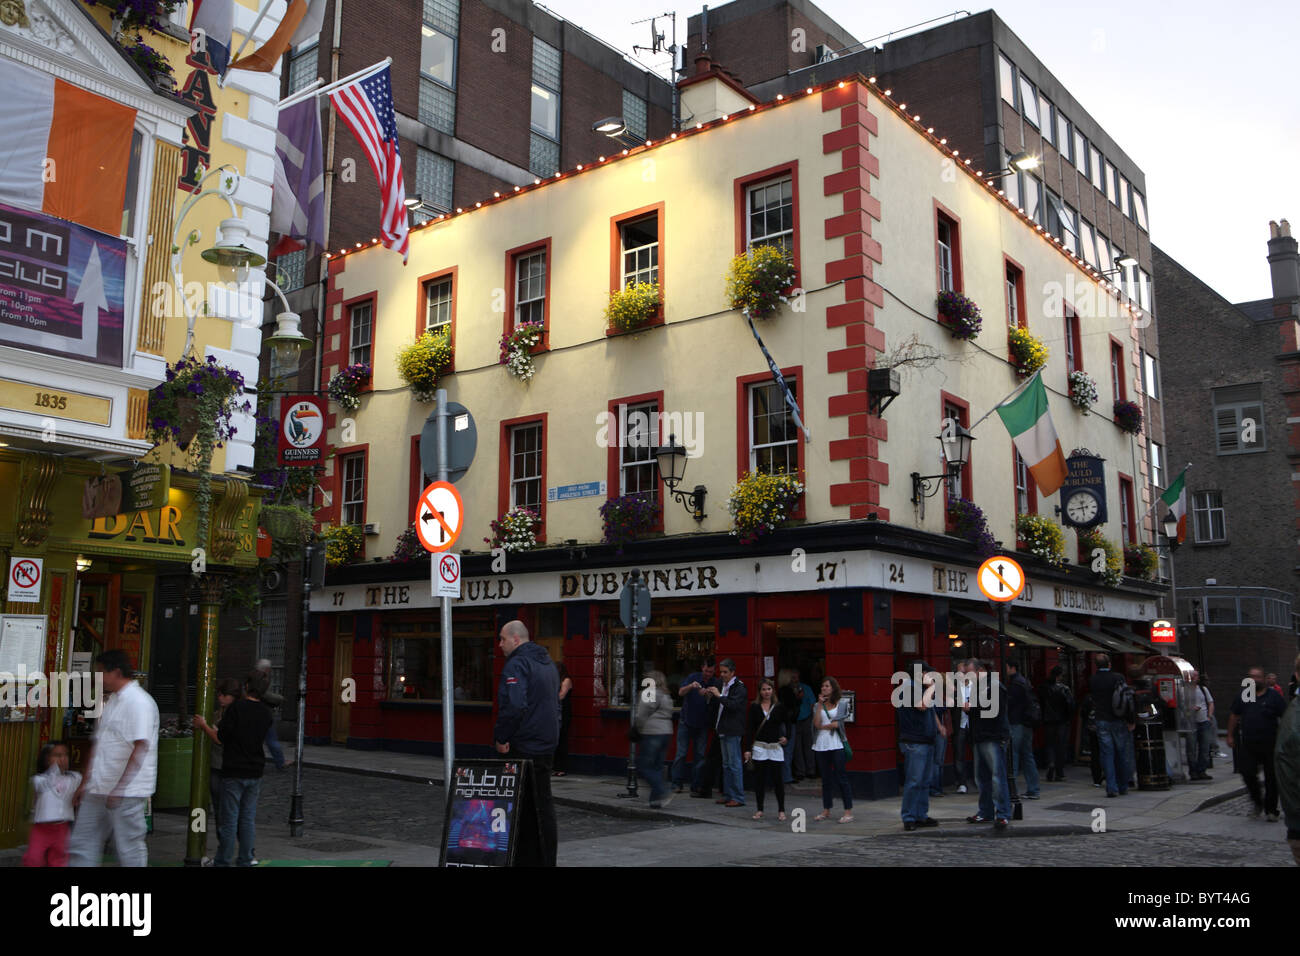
x=1128 y=529
x=1087 y=239
x=1149 y=375
x=1112 y=192
x=1095 y=167
x=1026 y=493
x=303 y=65
x=1139 y=209
x=639 y=239
x=1073 y=345
x=438 y=40
x=1103 y=253
x=1081 y=152
x=544 y=136
x=1117 y=372
x=773 y=437
x=1064 y=137
x=526 y=479
x=769 y=219
x=1144 y=290
x=1209 y=520
x=949 y=253
x=635 y=115
x=637 y=473
x=437 y=303
x=1157 y=459
x=1033 y=198
x=1124 y=206
x=1046 y=112
x=1006 y=80
x=434 y=181
x=354 y=489
x=1239 y=419
x=1015 y=292
x=1028 y=100
x=361 y=319
x=530 y=288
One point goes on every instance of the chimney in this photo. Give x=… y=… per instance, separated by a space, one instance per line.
x=1283 y=262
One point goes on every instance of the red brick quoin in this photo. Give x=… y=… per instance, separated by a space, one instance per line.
x=862 y=340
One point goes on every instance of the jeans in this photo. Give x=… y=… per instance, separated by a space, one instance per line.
x=686 y=737
x=238 y=818
x=1113 y=740
x=1022 y=755
x=96 y=822
x=963 y=773
x=916 y=781
x=650 y=763
x=733 y=780
x=936 y=765
x=538 y=848
x=1250 y=758
x=1201 y=745
x=273 y=745
x=834 y=773
x=991 y=773
x=1057 y=734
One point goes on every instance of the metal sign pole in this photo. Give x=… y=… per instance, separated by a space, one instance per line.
x=448 y=691
x=634 y=694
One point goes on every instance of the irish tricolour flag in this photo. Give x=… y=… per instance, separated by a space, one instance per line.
x=1175 y=497
x=64 y=151
x=1027 y=418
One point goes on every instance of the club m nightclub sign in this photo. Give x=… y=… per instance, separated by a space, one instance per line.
x=770 y=574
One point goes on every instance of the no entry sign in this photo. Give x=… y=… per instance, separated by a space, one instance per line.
x=439 y=516
x=1001 y=579
x=25 y=579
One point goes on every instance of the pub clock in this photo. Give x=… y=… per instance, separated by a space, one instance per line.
x=1083 y=494
x=1083 y=508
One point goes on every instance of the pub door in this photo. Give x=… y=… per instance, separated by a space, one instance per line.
x=341 y=710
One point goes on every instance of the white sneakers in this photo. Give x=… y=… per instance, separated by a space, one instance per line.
x=962 y=788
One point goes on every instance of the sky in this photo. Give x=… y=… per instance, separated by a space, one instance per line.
x=1201 y=95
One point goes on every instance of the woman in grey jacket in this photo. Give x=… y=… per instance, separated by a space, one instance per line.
x=654 y=722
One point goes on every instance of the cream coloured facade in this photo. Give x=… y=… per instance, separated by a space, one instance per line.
x=703 y=348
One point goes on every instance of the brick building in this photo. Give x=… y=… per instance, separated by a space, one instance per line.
x=1232 y=374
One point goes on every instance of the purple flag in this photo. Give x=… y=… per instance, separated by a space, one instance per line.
x=298 y=201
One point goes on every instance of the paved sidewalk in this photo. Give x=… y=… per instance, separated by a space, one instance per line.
x=1063 y=808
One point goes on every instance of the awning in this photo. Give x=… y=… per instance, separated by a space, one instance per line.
x=1060 y=636
x=1103 y=642
x=1012 y=631
x=1132 y=641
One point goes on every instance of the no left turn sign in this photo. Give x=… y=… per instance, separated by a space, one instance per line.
x=1001 y=579
x=439 y=516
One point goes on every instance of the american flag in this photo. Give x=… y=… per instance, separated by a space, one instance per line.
x=367 y=107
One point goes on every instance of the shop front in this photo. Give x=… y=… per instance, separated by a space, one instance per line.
x=97 y=589
x=859 y=608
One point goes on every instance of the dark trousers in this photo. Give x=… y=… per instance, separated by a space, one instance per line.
x=835 y=776
x=1057 y=738
x=961 y=769
x=1250 y=757
x=561 y=759
x=1094 y=752
x=538 y=849
x=776 y=770
x=712 y=775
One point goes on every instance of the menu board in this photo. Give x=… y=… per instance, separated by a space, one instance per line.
x=22 y=643
x=489 y=805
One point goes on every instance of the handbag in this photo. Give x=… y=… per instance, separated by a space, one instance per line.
x=844 y=739
x=749 y=764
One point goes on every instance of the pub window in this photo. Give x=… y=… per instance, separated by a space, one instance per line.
x=526 y=466
x=354 y=489
x=678 y=635
x=413 y=663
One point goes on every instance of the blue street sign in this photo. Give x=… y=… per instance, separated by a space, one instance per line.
x=588 y=489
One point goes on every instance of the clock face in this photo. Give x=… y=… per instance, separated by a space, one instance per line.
x=1081 y=508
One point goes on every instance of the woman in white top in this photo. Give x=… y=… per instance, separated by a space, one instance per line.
x=829 y=750
x=767 y=730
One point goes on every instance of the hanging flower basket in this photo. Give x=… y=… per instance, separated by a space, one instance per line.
x=633 y=307
x=423 y=364
x=138 y=14
x=1128 y=416
x=345 y=387
x=1140 y=561
x=408 y=547
x=516 y=530
x=517 y=350
x=1042 y=537
x=968 y=522
x=759 y=281
x=343 y=544
x=1083 y=390
x=1028 y=353
x=289 y=526
x=761 y=503
x=627 y=517
x=1091 y=539
x=153 y=63
x=960 y=314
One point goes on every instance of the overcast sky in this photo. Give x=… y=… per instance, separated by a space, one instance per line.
x=1202 y=95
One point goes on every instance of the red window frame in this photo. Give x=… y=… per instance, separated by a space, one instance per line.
x=1022 y=317
x=741 y=187
x=613 y=457
x=1075 y=340
x=1031 y=489
x=339 y=455
x=508 y=321
x=422 y=304
x=1117 y=382
x=947 y=399
x=743 y=383
x=942 y=212
x=503 y=468
x=348 y=304
x=1128 y=529
x=616 y=257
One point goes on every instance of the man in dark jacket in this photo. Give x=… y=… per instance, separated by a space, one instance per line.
x=918 y=729
x=1113 y=737
x=528 y=727
x=1255 y=712
x=1058 y=709
x=990 y=731
x=730 y=727
x=241 y=735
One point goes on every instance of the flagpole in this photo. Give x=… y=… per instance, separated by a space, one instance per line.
x=1186 y=468
x=1024 y=385
x=300 y=95
x=248 y=37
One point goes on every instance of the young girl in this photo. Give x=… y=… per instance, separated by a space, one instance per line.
x=767 y=731
x=54 y=786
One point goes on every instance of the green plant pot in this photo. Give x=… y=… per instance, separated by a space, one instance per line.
x=175 y=760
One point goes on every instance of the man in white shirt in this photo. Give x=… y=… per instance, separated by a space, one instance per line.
x=121 y=773
x=1201 y=746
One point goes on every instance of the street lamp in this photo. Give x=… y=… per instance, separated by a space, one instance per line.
x=615 y=127
x=956 y=455
x=288 y=342
x=230 y=254
x=1017 y=163
x=670 y=461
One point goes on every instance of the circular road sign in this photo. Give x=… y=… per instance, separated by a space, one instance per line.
x=1001 y=579
x=462 y=442
x=439 y=516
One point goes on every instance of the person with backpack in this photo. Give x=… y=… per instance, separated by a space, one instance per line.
x=1112 y=700
x=1024 y=713
x=1058 y=711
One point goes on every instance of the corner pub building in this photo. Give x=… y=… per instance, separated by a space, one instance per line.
x=859 y=581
